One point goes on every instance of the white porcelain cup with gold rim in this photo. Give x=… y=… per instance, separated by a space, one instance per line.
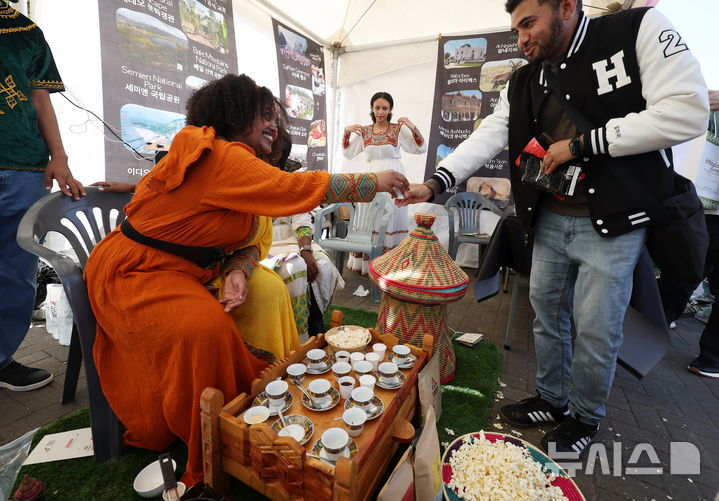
x=319 y=390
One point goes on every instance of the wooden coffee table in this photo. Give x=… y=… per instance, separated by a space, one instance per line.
x=279 y=467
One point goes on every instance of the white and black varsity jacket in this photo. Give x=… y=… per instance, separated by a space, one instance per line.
x=631 y=75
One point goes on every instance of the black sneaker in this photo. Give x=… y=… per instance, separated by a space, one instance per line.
x=704 y=366
x=533 y=411
x=19 y=377
x=570 y=436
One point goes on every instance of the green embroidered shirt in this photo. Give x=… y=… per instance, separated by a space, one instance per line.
x=26 y=64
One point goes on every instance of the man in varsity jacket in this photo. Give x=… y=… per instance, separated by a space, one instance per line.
x=632 y=76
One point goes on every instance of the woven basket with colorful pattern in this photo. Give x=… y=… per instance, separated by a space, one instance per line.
x=419 y=270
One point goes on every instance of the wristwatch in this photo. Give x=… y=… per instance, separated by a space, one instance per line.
x=306 y=248
x=576 y=147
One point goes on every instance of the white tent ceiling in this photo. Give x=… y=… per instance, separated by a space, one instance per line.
x=359 y=24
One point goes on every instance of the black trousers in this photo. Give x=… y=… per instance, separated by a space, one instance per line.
x=709 y=342
x=674 y=299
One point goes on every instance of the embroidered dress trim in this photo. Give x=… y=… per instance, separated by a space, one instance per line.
x=244 y=259
x=304 y=231
x=351 y=188
x=8 y=12
x=17 y=29
x=389 y=137
x=346 y=139
x=301 y=308
x=47 y=84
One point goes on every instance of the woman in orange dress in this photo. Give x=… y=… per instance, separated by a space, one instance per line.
x=162 y=336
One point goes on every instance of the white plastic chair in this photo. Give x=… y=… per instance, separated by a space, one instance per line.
x=364 y=218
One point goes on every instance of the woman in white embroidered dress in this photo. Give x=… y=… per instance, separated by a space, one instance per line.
x=381 y=141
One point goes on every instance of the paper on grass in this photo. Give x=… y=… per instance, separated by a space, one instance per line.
x=66 y=445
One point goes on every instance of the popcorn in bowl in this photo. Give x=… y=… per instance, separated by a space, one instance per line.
x=485 y=470
x=348 y=337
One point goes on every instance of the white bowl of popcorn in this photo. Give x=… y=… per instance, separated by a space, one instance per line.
x=349 y=338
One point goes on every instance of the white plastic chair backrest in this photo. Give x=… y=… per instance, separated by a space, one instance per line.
x=367 y=214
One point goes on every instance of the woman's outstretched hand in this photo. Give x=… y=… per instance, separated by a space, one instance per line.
x=407 y=122
x=392 y=182
x=356 y=128
x=115 y=186
x=235 y=290
x=417 y=193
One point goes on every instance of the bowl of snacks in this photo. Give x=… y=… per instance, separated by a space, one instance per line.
x=349 y=338
x=484 y=462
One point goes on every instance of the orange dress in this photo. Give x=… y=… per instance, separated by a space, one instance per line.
x=162 y=337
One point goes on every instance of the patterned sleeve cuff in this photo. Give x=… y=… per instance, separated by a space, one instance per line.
x=596 y=143
x=444 y=179
x=243 y=259
x=304 y=231
x=346 y=139
x=351 y=188
x=418 y=137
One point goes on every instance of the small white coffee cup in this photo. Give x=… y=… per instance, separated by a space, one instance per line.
x=354 y=420
x=373 y=358
x=334 y=442
x=297 y=372
x=355 y=357
x=387 y=372
x=380 y=349
x=319 y=390
x=346 y=384
x=401 y=353
x=342 y=356
x=363 y=367
x=368 y=381
x=255 y=415
x=316 y=357
x=340 y=369
x=276 y=391
x=362 y=396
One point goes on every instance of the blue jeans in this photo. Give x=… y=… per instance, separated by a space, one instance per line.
x=575 y=272
x=18 y=268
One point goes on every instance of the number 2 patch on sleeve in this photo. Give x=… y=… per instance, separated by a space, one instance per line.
x=673 y=43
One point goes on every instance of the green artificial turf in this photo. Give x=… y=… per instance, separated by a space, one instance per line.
x=465 y=408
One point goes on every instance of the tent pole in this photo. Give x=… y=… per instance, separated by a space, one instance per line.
x=335 y=51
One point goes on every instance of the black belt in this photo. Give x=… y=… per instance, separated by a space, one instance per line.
x=204 y=257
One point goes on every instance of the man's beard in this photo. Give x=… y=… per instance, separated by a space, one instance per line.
x=553 y=43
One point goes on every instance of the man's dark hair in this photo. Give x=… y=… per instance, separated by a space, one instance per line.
x=229 y=105
x=510 y=5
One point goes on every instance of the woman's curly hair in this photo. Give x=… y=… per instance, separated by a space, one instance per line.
x=230 y=105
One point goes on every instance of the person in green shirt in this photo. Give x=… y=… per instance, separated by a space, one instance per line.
x=31 y=156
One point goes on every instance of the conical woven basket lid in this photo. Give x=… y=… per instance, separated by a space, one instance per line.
x=419 y=269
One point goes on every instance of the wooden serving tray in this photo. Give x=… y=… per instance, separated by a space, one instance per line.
x=278 y=466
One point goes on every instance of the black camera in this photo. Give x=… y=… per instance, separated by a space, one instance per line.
x=562 y=181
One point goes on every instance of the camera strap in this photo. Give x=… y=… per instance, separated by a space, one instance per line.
x=626 y=176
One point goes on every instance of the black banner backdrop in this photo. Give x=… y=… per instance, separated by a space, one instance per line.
x=154 y=54
x=471 y=71
x=300 y=63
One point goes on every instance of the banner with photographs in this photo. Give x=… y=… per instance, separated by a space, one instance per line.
x=471 y=71
x=155 y=53
x=301 y=66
